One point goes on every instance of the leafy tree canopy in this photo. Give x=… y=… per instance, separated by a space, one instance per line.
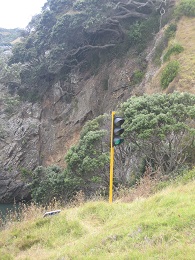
x=51 y=182
x=89 y=159
x=68 y=34
x=185 y=8
x=161 y=127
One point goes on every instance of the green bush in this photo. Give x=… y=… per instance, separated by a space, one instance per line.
x=170 y=31
x=161 y=46
x=174 y=49
x=11 y=104
x=89 y=158
x=50 y=182
x=141 y=33
x=137 y=77
x=169 y=73
x=185 y=8
x=160 y=128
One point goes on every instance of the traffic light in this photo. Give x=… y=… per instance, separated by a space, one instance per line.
x=116 y=139
x=117 y=130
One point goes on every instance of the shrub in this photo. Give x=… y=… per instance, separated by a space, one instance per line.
x=160 y=128
x=51 y=182
x=170 y=31
x=185 y=8
x=169 y=73
x=141 y=33
x=137 y=77
x=161 y=46
x=89 y=158
x=11 y=104
x=174 y=49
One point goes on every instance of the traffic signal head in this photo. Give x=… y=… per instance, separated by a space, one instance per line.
x=117 y=130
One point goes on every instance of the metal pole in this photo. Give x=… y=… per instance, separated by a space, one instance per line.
x=111 y=160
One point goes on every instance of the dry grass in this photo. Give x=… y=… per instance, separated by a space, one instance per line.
x=143 y=189
x=186 y=37
x=185 y=80
x=27 y=212
x=160 y=227
x=18 y=40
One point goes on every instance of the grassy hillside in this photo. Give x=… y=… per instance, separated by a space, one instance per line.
x=184 y=81
x=7 y=36
x=159 y=227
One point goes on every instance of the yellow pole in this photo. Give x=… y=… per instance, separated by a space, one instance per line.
x=111 y=160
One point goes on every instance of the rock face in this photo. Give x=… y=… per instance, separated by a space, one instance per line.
x=40 y=134
x=19 y=144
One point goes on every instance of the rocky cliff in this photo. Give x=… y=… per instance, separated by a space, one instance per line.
x=40 y=133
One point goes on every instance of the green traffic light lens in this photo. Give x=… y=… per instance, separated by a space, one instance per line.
x=118 y=141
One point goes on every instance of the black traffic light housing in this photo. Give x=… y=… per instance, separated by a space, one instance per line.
x=117 y=130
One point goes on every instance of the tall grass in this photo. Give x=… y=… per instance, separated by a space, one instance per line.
x=161 y=226
x=24 y=212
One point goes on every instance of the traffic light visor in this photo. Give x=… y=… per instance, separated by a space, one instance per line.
x=118 y=121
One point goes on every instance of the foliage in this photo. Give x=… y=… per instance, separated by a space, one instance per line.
x=97 y=10
x=137 y=77
x=7 y=36
x=51 y=182
x=80 y=35
x=21 y=54
x=73 y=25
x=10 y=74
x=141 y=33
x=185 y=177
x=185 y=8
x=170 y=31
x=163 y=43
x=87 y=165
x=89 y=158
x=169 y=73
x=175 y=48
x=11 y=103
x=57 y=6
x=161 y=128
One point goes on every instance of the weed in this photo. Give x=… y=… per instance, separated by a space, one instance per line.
x=11 y=104
x=170 y=31
x=144 y=188
x=137 y=77
x=185 y=8
x=169 y=73
x=173 y=49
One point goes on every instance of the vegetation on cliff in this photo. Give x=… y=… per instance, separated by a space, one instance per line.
x=8 y=36
x=77 y=37
x=159 y=138
x=80 y=36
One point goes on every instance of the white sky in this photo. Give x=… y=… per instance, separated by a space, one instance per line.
x=18 y=13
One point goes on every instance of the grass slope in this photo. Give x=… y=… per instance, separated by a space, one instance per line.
x=160 y=227
x=185 y=79
x=186 y=37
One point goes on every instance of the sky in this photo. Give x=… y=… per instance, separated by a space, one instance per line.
x=18 y=13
